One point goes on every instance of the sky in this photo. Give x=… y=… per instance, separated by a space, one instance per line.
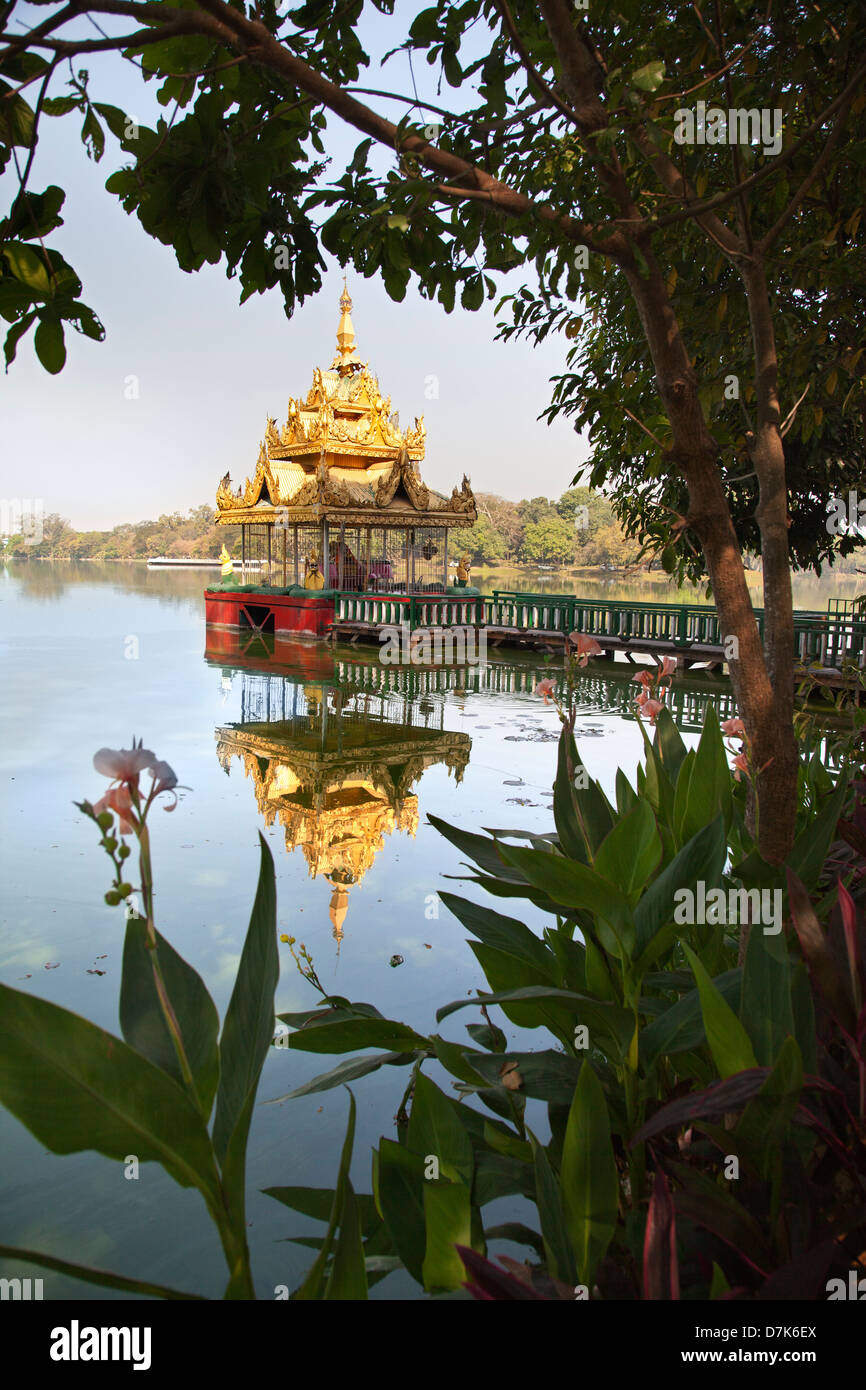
x=208 y=371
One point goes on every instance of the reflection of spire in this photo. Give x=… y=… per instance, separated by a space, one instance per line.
x=338 y=907
x=347 y=359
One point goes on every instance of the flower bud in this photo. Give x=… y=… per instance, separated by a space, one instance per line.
x=112 y=897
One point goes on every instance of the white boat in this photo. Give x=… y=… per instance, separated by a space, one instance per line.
x=184 y=562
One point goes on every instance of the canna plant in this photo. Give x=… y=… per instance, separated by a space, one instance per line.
x=705 y=1133
x=173 y=1089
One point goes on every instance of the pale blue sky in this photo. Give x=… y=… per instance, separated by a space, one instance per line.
x=210 y=371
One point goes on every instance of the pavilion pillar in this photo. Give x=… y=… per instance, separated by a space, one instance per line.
x=406 y=556
x=284 y=554
x=445 y=573
x=367 y=569
x=295 y=529
x=341 y=563
x=243 y=552
x=325 y=557
x=268 y=580
x=412 y=560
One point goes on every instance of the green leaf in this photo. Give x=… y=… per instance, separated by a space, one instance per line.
x=809 y=850
x=766 y=1120
x=77 y=1087
x=141 y=1018
x=557 y=1251
x=435 y=1130
x=650 y=77
x=702 y=857
x=247 y=1032
x=448 y=1222
x=318 y=1203
x=575 y=885
x=348 y=1277
x=588 y=1179
x=709 y=782
x=681 y=1027
x=765 y=1007
x=350 y=1070
x=90 y=1275
x=28 y=267
x=312 y=1287
x=727 y=1038
x=630 y=853
x=399 y=1185
x=504 y=933
x=345 y=1034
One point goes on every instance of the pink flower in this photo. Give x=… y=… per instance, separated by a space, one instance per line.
x=164 y=780
x=652 y=709
x=586 y=646
x=545 y=688
x=645 y=678
x=741 y=764
x=123 y=764
x=118 y=800
x=668 y=665
x=734 y=728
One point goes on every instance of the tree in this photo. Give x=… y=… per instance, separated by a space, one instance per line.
x=578 y=157
x=482 y=541
x=551 y=540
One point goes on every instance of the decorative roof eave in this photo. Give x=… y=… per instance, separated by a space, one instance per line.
x=325 y=497
x=353 y=516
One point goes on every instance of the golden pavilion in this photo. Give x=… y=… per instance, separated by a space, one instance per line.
x=337 y=501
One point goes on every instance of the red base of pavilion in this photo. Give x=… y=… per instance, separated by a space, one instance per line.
x=261 y=612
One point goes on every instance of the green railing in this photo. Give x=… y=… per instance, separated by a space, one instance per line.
x=828 y=639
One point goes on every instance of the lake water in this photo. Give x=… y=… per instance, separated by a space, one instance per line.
x=338 y=761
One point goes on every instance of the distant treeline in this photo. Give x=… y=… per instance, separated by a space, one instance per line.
x=577 y=529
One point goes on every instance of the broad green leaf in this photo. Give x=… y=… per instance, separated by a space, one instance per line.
x=546 y=1075
x=766 y=1120
x=435 y=1131
x=318 y=1203
x=650 y=77
x=49 y=344
x=702 y=857
x=557 y=1251
x=669 y=745
x=575 y=885
x=630 y=853
x=348 y=1277
x=812 y=845
x=765 y=1007
x=504 y=933
x=312 y=1288
x=728 y=1040
x=142 y=1021
x=588 y=1178
x=77 y=1087
x=346 y=1034
x=350 y=1070
x=448 y=1223
x=28 y=267
x=246 y=1037
x=681 y=1027
x=399 y=1185
x=709 y=790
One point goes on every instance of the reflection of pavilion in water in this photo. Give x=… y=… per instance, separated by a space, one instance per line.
x=336 y=766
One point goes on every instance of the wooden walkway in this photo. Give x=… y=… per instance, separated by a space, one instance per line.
x=829 y=644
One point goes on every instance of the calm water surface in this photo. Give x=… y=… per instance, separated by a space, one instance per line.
x=338 y=761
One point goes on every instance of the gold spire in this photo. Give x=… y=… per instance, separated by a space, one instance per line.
x=347 y=359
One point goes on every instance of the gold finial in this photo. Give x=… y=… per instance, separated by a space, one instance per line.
x=347 y=359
